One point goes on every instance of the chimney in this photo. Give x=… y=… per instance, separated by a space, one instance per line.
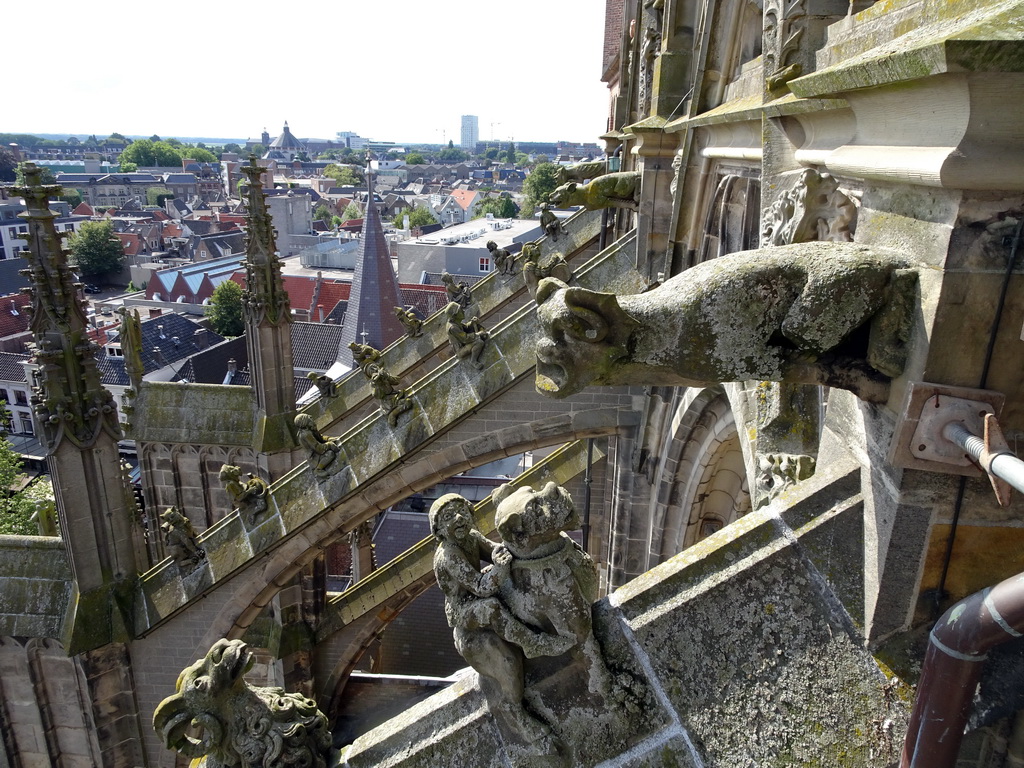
x=320 y=312
x=159 y=357
x=200 y=338
x=232 y=369
x=161 y=329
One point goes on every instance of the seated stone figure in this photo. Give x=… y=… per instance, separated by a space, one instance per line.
x=250 y=498
x=240 y=724
x=321 y=452
x=467 y=337
x=836 y=314
x=181 y=539
x=394 y=401
x=457 y=291
x=409 y=320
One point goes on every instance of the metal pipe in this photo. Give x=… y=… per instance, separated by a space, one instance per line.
x=952 y=666
x=1002 y=464
x=587 y=479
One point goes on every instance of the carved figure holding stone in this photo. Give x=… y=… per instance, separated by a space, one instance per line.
x=503 y=260
x=181 y=539
x=412 y=324
x=250 y=498
x=549 y=222
x=789 y=313
x=393 y=400
x=240 y=725
x=467 y=337
x=458 y=292
x=321 y=452
x=363 y=354
x=327 y=386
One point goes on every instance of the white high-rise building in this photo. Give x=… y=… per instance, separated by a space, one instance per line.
x=470 y=132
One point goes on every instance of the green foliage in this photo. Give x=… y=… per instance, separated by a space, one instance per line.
x=522 y=160
x=322 y=212
x=128 y=167
x=510 y=155
x=46 y=175
x=15 y=508
x=95 y=250
x=538 y=185
x=72 y=197
x=452 y=155
x=451 y=144
x=415 y=158
x=232 y=147
x=344 y=175
x=542 y=159
x=157 y=195
x=225 y=309
x=198 y=154
x=8 y=165
x=418 y=217
x=492 y=153
x=499 y=207
x=336 y=221
x=352 y=211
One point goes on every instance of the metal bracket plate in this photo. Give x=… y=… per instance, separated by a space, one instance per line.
x=921 y=422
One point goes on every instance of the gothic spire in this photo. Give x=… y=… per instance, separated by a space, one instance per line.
x=370 y=318
x=265 y=298
x=68 y=398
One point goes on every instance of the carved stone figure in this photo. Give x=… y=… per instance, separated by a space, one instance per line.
x=321 y=452
x=613 y=190
x=774 y=314
x=45 y=517
x=550 y=223
x=467 y=337
x=777 y=472
x=363 y=354
x=412 y=324
x=241 y=725
x=457 y=292
x=580 y=172
x=328 y=387
x=533 y=273
x=181 y=539
x=815 y=209
x=503 y=260
x=250 y=498
x=393 y=400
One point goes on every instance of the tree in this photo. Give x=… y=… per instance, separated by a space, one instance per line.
x=15 y=508
x=322 y=212
x=538 y=185
x=452 y=155
x=352 y=211
x=418 y=217
x=158 y=195
x=127 y=167
x=344 y=175
x=151 y=153
x=8 y=165
x=198 y=153
x=499 y=207
x=72 y=197
x=522 y=160
x=510 y=155
x=45 y=176
x=451 y=144
x=154 y=137
x=95 y=250
x=225 y=309
x=415 y=158
x=232 y=147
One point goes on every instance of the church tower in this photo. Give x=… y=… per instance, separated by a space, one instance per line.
x=76 y=421
x=370 y=318
x=268 y=334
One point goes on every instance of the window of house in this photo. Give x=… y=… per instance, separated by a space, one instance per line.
x=485 y=263
x=26 y=425
x=20 y=397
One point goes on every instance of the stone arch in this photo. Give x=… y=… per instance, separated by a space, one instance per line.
x=254 y=589
x=708 y=486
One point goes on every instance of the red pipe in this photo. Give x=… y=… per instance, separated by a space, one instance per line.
x=952 y=667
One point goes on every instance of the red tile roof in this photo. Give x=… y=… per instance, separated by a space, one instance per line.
x=14 y=317
x=84 y=209
x=132 y=243
x=464 y=197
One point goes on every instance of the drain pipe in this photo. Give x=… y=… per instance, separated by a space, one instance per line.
x=952 y=667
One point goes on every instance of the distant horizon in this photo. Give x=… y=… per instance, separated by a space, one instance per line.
x=221 y=141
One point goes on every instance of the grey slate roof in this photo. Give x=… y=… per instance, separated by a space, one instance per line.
x=156 y=337
x=315 y=346
x=11 y=368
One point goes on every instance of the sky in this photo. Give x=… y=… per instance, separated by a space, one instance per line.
x=400 y=71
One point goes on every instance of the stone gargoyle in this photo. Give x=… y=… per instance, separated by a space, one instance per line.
x=241 y=725
x=613 y=190
x=836 y=314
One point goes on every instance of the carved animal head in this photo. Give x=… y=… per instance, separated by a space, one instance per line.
x=241 y=724
x=527 y=519
x=203 y=696
x=585 y=333
x=564 y=196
